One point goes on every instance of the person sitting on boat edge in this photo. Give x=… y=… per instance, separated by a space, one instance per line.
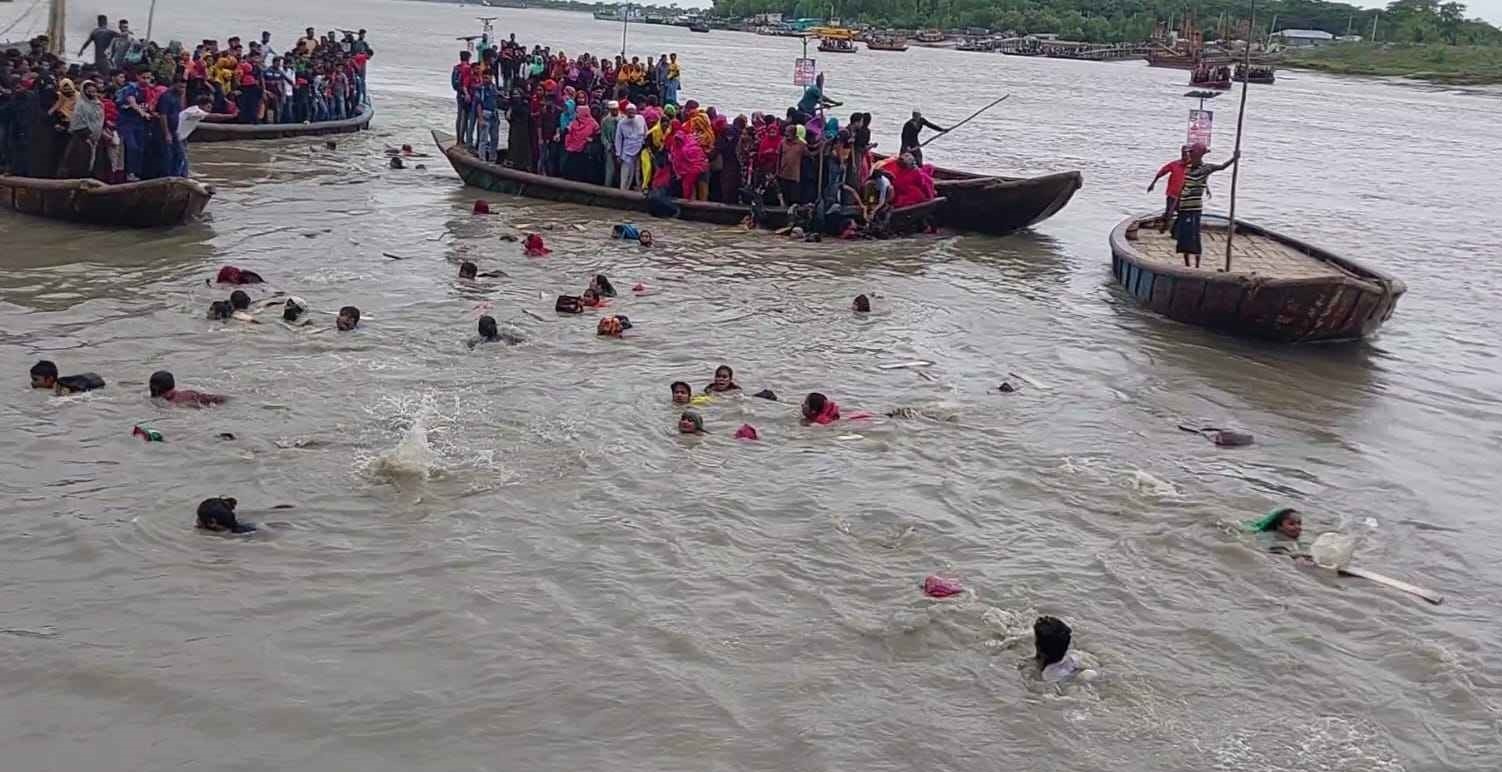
x=163 y=386
x=1186 y=227
x=44 y=376
x=1175 y=171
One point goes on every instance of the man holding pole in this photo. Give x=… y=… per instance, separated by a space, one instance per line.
x=1186 y=228
x=910 y=131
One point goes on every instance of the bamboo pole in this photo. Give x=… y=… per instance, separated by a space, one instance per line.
x=1246 y=82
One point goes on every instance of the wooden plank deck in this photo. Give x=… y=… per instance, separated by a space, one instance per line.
x=1256 y=255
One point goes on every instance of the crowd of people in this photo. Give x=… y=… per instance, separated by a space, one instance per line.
x=125 y=115
x=618 y=122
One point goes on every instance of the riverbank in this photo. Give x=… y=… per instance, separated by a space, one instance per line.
x=1458 y=65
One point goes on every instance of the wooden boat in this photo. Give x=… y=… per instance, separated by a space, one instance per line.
x=230 y=132
x=1220 y=85
x=1265 y=75
x=698 y=27
x=886 y=44
x=1279 y=288
x=148 y=204
x=830 y=45
x=1000 y=205
x=500 y=179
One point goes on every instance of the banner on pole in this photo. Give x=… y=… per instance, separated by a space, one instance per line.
x=803 y=72
x=1201 y=122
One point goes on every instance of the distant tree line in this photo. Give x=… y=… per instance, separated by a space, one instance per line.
x=1112 y=21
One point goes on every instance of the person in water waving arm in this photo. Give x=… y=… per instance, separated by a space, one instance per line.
x=44 y=376
x=164 y=386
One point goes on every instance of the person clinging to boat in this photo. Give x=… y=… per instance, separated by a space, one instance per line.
x=1186 y=227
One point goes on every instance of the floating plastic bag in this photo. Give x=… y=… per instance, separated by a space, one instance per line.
x=1333 y=550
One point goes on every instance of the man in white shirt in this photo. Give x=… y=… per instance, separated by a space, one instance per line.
x=267 y=52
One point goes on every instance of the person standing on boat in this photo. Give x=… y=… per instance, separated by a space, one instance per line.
x=519 y=131
x=459 y=79
x=1175 y=171
x=630 y=133
x=607 y=138
x=169 y=107
x=1186 y=228
x=813 y=98
x=101 y=38
x=131 y=99
x=910 y=130
x=670 y=91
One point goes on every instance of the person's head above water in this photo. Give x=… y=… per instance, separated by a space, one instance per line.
x=682 y=394
x=238 y=300
x=690 y=423
x=218 y=514
x=221 y=309
x=644 y=238
x=349 y=318
x=602 y=286
x=488 y=329
x=468 y=270
x=1050 y=640
x=43 y=375
x=813 y=404
x=1286 y=521
x=724 y=378
x=861 y=304
x=589 y=298
x=161 y=383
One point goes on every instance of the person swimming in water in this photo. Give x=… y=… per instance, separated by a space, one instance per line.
x=295 y=312
x=625 y=232
x=1056 y=663
x=218 y=514
x=682 y=394
x=348 y=319
x=232 y=275
x=819 y=409
x=490 y=332
x=612 y=326
x=602 y=286
x=468 y=270
x=862 y=304
x=240 y=303
x=644 y=238
x=691 y=423
x=724 y=381
x=220 y=309
x=1280 y=530
x=590 y=298
x=44 y=376
x=164 y=386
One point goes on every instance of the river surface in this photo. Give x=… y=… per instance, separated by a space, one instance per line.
x=507 y=559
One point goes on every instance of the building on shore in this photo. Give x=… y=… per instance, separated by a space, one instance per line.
x=1304 y=38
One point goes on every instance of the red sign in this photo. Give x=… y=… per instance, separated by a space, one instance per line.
x=1200 y=124
x=803 y=72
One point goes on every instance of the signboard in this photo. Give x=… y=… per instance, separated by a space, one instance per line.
x=1200 y=124
x=803 y=72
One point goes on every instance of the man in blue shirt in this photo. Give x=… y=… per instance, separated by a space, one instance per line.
x=168 y=108
x=131 y=99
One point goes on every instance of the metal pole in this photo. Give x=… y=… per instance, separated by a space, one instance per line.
x=1240 y=117
x=150 y=17
x=625 y=15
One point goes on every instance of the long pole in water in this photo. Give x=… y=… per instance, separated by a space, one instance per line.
x=967 y=120
x=1246 y=81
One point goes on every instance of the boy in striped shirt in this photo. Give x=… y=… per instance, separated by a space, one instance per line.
x=1186 y=228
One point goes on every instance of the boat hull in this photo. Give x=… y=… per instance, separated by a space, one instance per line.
x=1219 y=85
x=500 y=179
x=232 y=132
x=1000 y=205
x=149 y=204
x=1347 y=307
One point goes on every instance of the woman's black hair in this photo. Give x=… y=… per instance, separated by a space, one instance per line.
x=468 y=270
x=291 y=311
x=239 y=300
x=351 y=312
x=1050 y=640
x=488 y=328
x=604 y=286
x=729 y=373
x=220 y=309
x=814 y=403
x=672 y=387
x=161 y=382
x=1278 y=518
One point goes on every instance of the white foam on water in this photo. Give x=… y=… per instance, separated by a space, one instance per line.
x=413 y=456
x=1146 y=482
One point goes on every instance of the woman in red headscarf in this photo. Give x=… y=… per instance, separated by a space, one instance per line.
x=576 y=145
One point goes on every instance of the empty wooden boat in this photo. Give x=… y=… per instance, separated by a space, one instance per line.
x=1279 y=288
x=147 y=204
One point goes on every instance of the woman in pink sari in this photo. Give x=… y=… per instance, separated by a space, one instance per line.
x=689 y=161
x=576 y=145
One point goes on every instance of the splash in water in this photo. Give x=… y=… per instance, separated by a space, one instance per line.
x=413 y=456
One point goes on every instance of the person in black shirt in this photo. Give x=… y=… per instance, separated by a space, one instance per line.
x=101 y=38
x=910 y=135
x=44 y=376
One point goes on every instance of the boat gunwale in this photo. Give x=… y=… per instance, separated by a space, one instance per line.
x=1368 y=279
x=231 y=131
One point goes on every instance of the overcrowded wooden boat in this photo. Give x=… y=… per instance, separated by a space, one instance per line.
x=1278 y=288
x=230 y=132
x=148 y=204
x=1258 y=74
x=886 y=43
x=500 y=179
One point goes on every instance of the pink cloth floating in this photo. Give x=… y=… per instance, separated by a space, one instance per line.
x=747 y=432
x=939 y=587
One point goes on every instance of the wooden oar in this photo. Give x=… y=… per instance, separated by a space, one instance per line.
x=1396 y=584
x=962 y=123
